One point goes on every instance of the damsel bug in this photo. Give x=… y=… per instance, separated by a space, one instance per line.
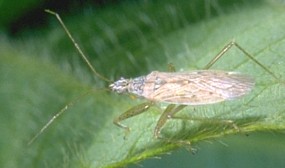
x=178 y=89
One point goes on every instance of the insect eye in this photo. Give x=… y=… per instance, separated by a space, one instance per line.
x=120 y=86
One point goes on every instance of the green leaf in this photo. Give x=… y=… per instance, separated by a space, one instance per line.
x=40 y=75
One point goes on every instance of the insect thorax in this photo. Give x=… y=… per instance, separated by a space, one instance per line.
x=134 y=86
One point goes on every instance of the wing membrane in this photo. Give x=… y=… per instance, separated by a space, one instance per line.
x=197 y=87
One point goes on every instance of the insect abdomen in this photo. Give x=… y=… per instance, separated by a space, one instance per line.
x=196 y=87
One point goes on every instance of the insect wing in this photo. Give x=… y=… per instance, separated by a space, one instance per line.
x=196 y=87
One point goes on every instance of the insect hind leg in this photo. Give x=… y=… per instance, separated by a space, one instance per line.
x=228 y=47
x=210 y=120
x=170 y=113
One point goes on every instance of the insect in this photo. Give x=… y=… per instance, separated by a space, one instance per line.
x=178 y=89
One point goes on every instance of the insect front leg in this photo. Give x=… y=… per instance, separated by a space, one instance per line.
x=136 y=110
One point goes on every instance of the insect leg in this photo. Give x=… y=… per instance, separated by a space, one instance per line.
x=167 y=114
x=228 y=47
x=136 y=110
x=171 y=110
x=209 y=120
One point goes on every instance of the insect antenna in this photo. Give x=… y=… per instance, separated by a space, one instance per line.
x=77 y=46
x=59 y=113
x=71 y=103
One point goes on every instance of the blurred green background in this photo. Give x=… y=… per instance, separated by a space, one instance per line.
x=40 y=72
